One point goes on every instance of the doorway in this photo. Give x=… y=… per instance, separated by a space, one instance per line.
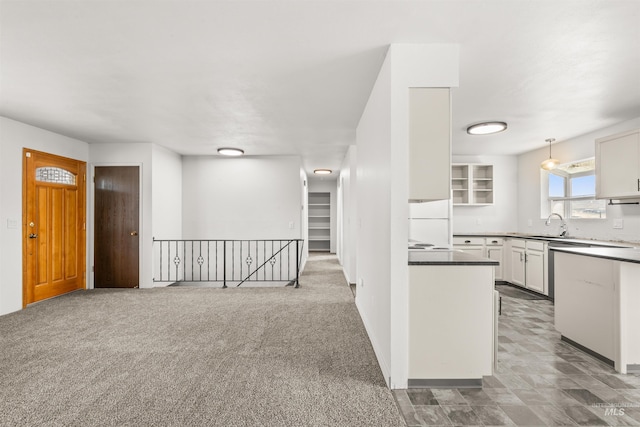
x=54 y=207
x=117 y=217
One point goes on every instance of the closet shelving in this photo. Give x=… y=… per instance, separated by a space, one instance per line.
x=319 y=221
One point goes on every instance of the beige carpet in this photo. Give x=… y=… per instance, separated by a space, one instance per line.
x=195 y=356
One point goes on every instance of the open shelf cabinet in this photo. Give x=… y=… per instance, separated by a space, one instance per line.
x=472 y=184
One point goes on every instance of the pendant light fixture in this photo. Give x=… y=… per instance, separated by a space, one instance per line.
x=550 y=163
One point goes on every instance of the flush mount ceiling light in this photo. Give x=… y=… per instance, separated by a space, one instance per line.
x=230 y=151
x=550 y=163
x=322 y=171
x=486 y=128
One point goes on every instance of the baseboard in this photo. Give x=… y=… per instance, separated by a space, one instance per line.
x=446 y=383
x=538 y=294
x=588 y=351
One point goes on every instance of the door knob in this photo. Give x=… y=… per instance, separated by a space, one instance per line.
x=134 y=233
x=33 y=236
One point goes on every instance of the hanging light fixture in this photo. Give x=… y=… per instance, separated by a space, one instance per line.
x=550 y=163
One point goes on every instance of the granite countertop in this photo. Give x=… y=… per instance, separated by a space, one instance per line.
x=550 y=238
x=447 y=257
x=617 y=254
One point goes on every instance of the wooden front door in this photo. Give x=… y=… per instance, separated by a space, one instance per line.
x=53 y=225
x=117 y=201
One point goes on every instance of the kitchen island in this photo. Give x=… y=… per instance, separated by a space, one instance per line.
x=597 y=299
x=452 y=319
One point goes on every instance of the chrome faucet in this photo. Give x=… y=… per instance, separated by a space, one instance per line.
x=563 y=225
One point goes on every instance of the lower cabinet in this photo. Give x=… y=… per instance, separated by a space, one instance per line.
x=489 y=247
x=534 y=271
x=460 y=350
x=585 y=301
x=517 y=263
x=495 y=251
x=471 y=245
x=528 y=263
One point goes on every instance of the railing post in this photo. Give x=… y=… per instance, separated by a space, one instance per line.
x=224 y=263
x=297 y=263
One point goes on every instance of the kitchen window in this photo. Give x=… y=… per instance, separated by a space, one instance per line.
x=571 y=191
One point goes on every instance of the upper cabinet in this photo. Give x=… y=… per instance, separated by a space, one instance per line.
x=618 y=166
x=472 y=184
x=429 y=144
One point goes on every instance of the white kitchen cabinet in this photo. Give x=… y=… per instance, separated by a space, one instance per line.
x=529 y=264
x=618 y=166
x=534 y=271
x=472 y=184
x=429 y=144
x=489 y=247
x=518 y=254
x=596 y=304
x=458 y=350
x=584 y=301
x=471 y=245
x=494 y=250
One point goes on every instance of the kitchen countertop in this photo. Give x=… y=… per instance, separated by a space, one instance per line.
x=447 y=257
x=551 y=238
x=617 y=254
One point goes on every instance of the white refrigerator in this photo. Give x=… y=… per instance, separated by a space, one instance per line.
x=430 y=222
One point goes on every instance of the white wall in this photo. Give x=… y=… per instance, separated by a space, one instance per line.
x=13 y=137
x=241 y=198
x=502 y=216
x=166 y=203
x=382 y=181
x=347 y=215
x=121 y=154
x=166 y=200
x=373 y=222
x=529 y=190
x=320 y=185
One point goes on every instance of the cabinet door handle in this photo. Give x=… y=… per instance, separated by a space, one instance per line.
x=638 y=184
x=469 y=241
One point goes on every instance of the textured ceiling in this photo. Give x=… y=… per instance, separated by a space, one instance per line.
x=292 y=77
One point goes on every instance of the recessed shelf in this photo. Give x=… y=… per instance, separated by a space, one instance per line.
x=319 y=226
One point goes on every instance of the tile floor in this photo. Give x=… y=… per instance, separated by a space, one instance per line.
x=540 y=381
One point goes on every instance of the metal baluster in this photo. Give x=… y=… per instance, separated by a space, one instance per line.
x=161 y=261
x=297 y=264
x=224 y=263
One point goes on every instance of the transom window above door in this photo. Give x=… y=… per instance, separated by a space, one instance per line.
x=55 y=175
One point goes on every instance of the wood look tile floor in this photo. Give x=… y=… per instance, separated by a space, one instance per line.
x=540 y=381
